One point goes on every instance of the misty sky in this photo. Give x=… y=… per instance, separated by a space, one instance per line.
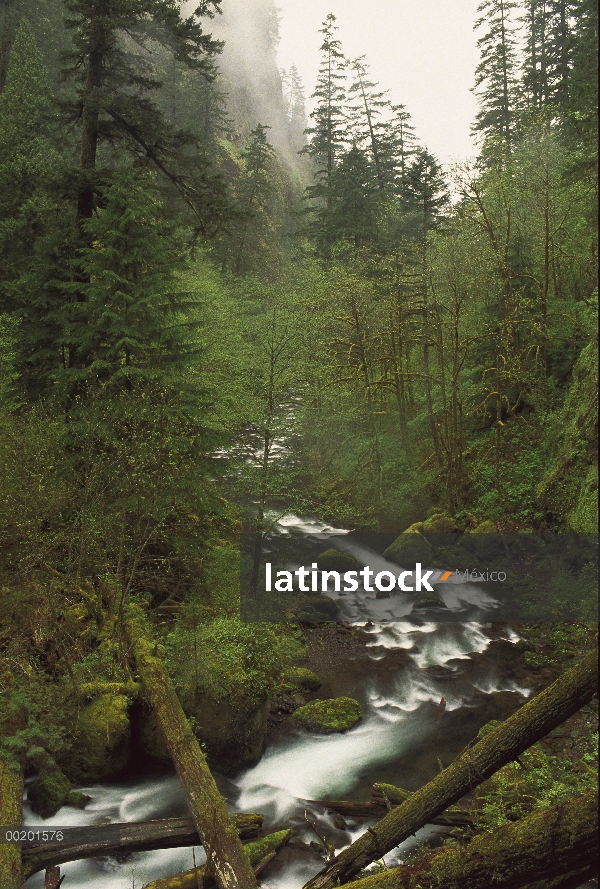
x=423 y=51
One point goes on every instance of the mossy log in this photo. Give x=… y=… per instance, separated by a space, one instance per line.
x=529 y=724
x=547 y=844
x=140 y=836
x=377 y=808
x=95 y=689
x=223 y=847
x=259 y=854
x=11 y=813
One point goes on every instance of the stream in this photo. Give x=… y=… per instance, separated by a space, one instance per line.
x=398 y=677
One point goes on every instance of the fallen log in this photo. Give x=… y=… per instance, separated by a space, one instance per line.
x=529 y=724
x=259 y=854
x=137 y=836
x=548 y=843
x=223 y=847
x=11 y=808
x=375 y=809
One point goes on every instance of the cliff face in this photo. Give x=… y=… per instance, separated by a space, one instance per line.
x=249 y=73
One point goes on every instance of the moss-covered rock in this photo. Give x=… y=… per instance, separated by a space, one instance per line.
x=485 y=730
x=334 y=560
x=428 y=600
x=332 y=715
x=77 y=800
x=300 y=677
x=408 y=549
x=440 y=523
x=48 y=793
x=101 y=746
x=231 y=731
x=307 y=608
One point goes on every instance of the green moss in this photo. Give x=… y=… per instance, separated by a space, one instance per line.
x=258 y=849
x=77 y=800
x=396 y=795
x=428 y=600
x=301 y=678
x=334 y=560
x=332 y=715
x=409 y=548
x=101 y=745
x=440 y=524
x=48 y=793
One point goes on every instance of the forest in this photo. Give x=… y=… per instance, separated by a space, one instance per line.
x=233 y=307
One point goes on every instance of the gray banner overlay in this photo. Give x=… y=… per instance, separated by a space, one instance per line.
x=28 y=835
x=359 y=577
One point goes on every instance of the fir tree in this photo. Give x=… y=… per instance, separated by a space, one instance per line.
x=134 y=322
x=496 y=74
x=114 y=83
x=535 y=65
x=328 y=133
x=365 y=124
x=352 y=211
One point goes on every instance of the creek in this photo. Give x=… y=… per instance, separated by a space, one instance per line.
x=399 y=675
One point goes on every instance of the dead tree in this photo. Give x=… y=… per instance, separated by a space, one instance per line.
x=502 y=745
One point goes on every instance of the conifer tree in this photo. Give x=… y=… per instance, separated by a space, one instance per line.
x=134 y=322
x=535 y=65
x=295 y=106
x=496 y=74
x=35 y=222
x=254 y=192
x=114 y=83
x=366 y=125
x=328 y=133
x=354 y=200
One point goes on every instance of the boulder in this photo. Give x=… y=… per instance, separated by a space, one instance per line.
x=231 y=731
x=440 y=523
x=334 y=560
x=301 y=678
x=428 y=600
x=101 y=746
x=332 y=715
x=49 y=792
x=408 y=549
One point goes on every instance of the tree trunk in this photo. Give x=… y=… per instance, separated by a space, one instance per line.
x=52 y=878
x=529 y=724
x=259 y=854
x=546 y=844
x=224 y=850
x=141 y=836
x=11 y=814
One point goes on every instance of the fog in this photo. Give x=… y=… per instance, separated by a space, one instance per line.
x=423 y=52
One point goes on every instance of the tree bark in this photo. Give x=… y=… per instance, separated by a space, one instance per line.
x=259 y=854
x=546 y=844
x=529 y=724
x=224 y=851
x=11 y=814
x=52 y=878
x=141 y=836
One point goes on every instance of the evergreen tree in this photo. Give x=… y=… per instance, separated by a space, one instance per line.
x=365 y=124
x=114 y=83
x=134 y=322
x=351 y=213
x=582 y=120
x=293 y=91
x=535 y=65
x=328 y=133
x=254 y=191
x=496 y=73
x=35 y=221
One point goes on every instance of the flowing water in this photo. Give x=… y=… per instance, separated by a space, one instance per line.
x=399 y=680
